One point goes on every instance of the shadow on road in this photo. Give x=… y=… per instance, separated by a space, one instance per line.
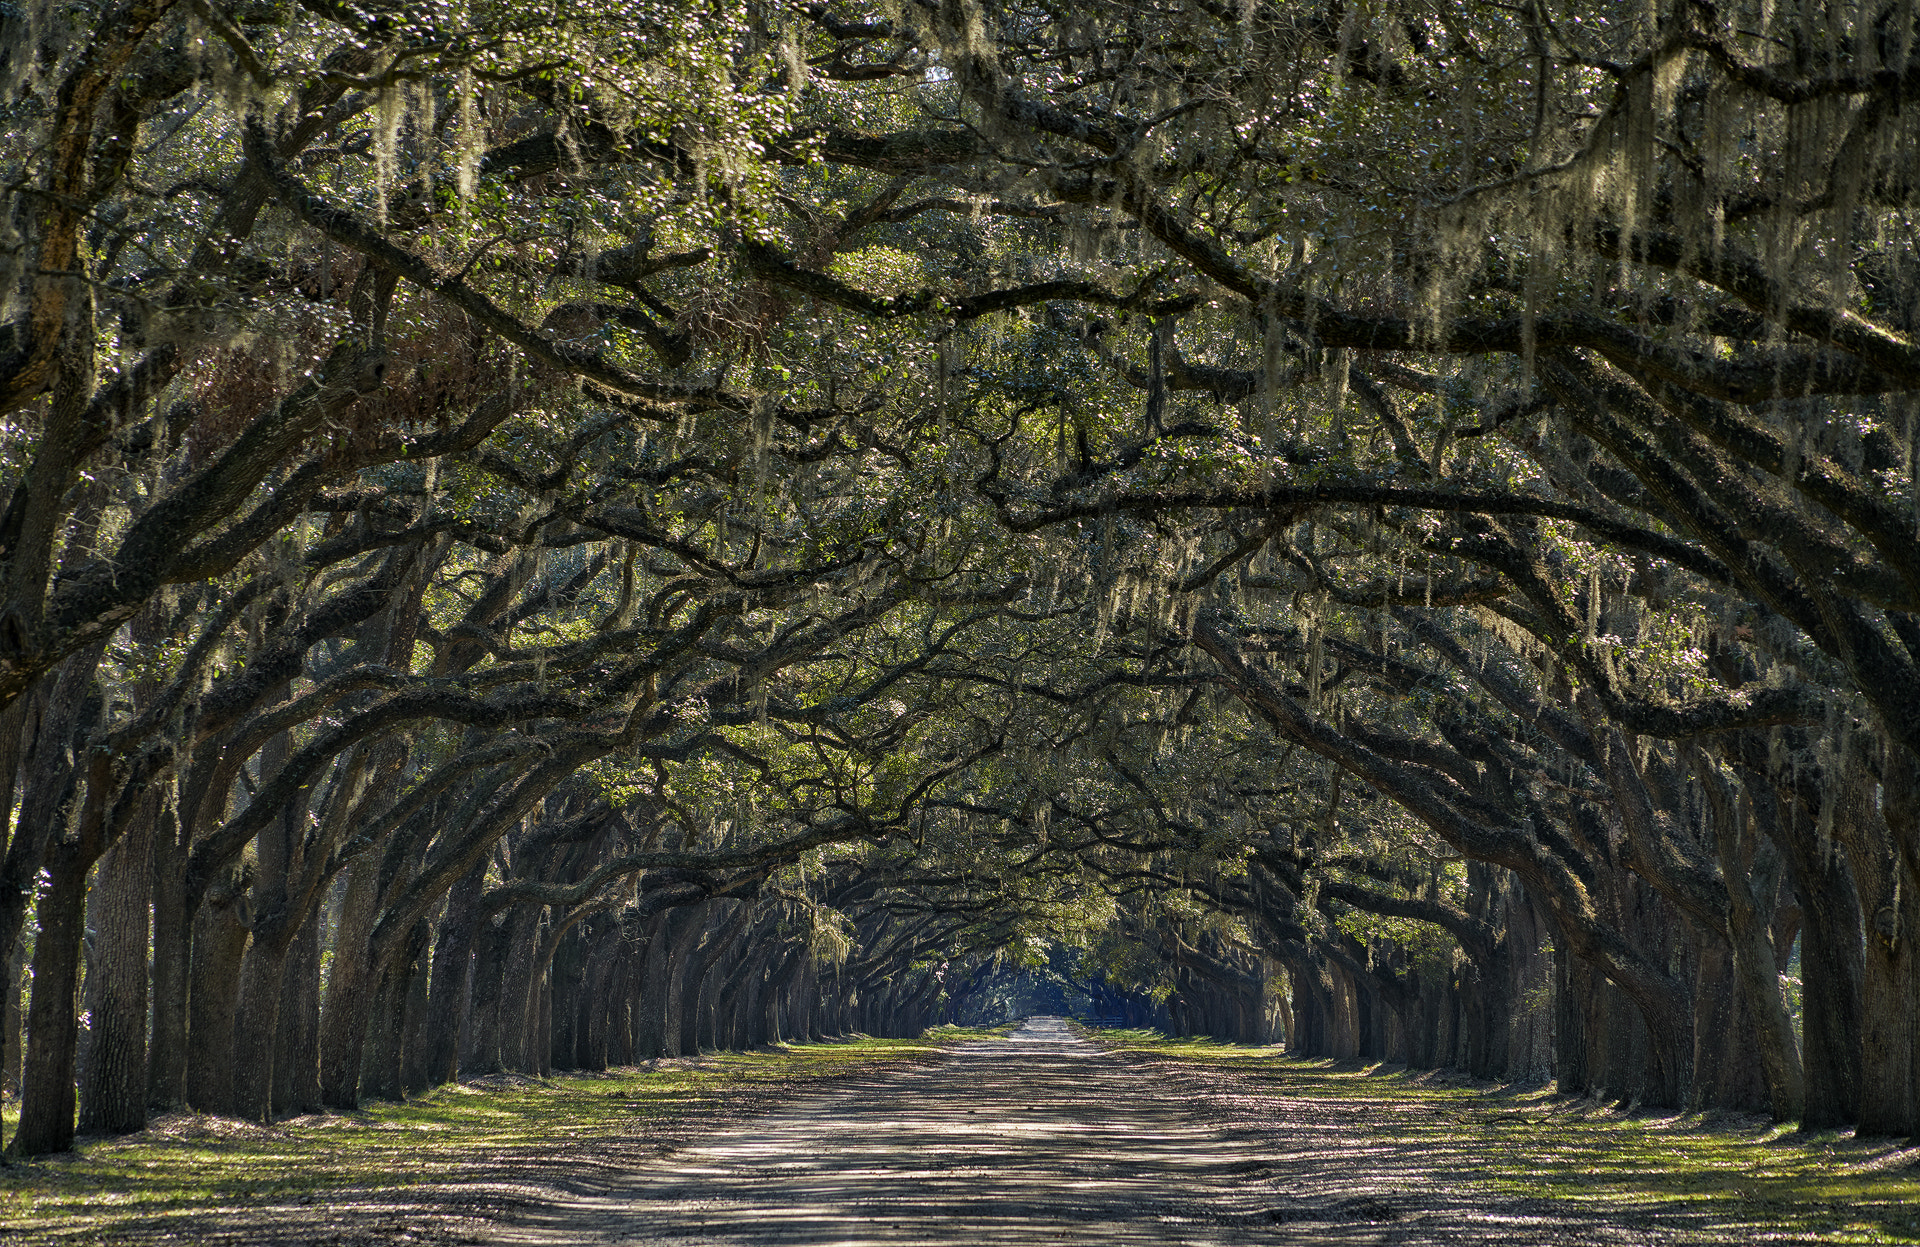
x=1038 y=1137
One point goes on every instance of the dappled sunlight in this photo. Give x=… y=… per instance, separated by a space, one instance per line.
x=1717 y=1177
x=1038 y=1136
x=439 y=1168
x=1043 y=1137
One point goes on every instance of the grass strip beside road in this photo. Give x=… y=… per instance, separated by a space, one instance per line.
x=1726 y=1177
x=437 y=1168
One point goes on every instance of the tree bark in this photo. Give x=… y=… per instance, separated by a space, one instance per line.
x=220 y=939
x=172 y=958
x=343 y=1021
x=1752 y=866
x=520 y=997
x=11 y=1022
x=256 y=1029
x=52 y=728
x=113 y=1091
x=650 y=1028
x=447 y=995
x=402 y=990
x=414 y=1018
x=296 y=1060
x=1832 y=966
x=674 y=994
x=53 y=1023
x=278 y=914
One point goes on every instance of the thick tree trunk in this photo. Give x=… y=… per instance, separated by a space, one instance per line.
x=113 y=1079
x=801 y=999
x=380 y=1054
x=723 y=966
x=540 y=1040
x=1619 y=1038
x=296 y=1059
x=595 y=1005
x=278 y=916
x=1276 y=989
x=1310 y=1009
x=520 y=997
x=683 y=991
x=452 y=973
x=343 y=1022
x=650 y=1033
x=11 y=1022
x=745 y=1007
x=219 y=946
x=489 y=974
x=172 y=958
x=43 y=738
x=1890 y=985
x=1726 y=1062
x=256 y=1029
x=628 y=964
x=1488 y=996
x=38 y=732
x=53 y=1021
x=498 y=949
x=1831 y=955
x=681 y=957
x=779 y=990
x=1890 y=970
x=567 y=983
x=354 y=977
x=414 y=1019
x=1751 y=865
x=1900 y=808
x=1832 y=967
x=386 y=1029
x=1573 y=989
x=1530 y=1046
x=413 y=1005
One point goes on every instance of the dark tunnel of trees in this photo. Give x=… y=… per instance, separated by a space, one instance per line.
x=536 y=537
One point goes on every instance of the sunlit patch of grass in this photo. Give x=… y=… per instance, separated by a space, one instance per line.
x=187 y=1164
x=1741 y=1174
x=1192 y=1045
x=1744 y=1178
x=948 y=1031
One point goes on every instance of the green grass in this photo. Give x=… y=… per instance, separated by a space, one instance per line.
x=188 y=1165
x=1741 y=1178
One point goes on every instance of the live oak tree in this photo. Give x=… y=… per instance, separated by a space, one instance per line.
x=636 y=528
x=1589 y=278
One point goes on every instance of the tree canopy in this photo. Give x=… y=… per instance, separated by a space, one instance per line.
x=539 y=535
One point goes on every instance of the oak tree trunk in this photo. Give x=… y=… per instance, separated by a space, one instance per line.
x=53 y=1022
x=113 y=1091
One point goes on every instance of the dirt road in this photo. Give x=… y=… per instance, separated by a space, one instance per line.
x=1043 y=1137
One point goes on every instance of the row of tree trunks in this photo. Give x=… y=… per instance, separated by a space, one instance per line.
x=536 y=987
x=693 y=977
x=1535 y=1011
